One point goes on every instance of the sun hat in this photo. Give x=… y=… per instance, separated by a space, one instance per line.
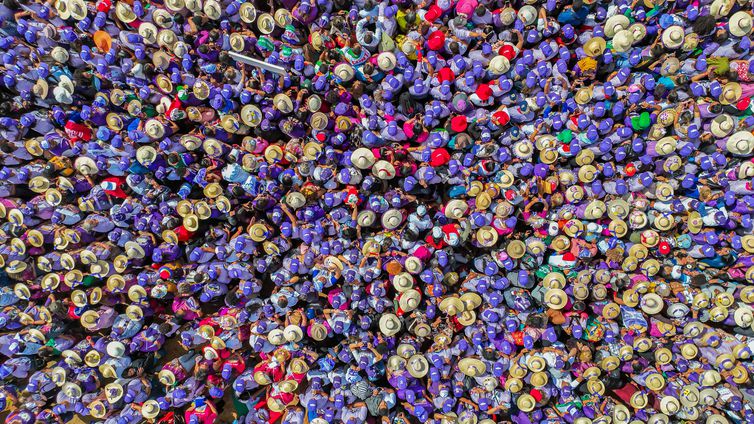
x=616 y=23
x=247 y=12
x=392 y=219
x=150 y=409
x=740 y=24
x=212 y=9
x=741 y=143
x=317 y=331
x=456 y=208
x=730 y=93
x=527 y=14
x=390 y=324
x=595 y=46
x=417 y=366
x=623 y=40
x=472 y=367
x=487 y=236
x=451 y=305
x=673 y=37
x=722 y=125
x=293 y=333
x=556 y=298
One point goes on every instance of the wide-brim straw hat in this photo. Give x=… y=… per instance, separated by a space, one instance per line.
x=740 y=143
x=673 y=37
x=472 y=367
x=265 y=23
x=166 y=377
x=247 y=12
x=616 y=23
x=740 y=24
x=417 y=366
x=409 y=300
x=390 y=324
x=730 y=93
x=362 y=158
x=150 y=409
x=595 y=46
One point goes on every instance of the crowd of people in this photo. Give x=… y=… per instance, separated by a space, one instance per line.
x=380 y=211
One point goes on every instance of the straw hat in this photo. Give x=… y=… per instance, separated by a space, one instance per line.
x=623 y=40
x=472 y=367
x=452 y=305
x=92 y=358
x=124 y=12
x=740 y=24
x=417 y=366
x=516 y=249
x=722 y=125
x=673 y=36
x=265 y=23
x=116 y=349
x=499 y=65
x=134 y=313
x=79 y=298
x=487 y=236
x=384 y=170
x=455 y=209
x=670 y=405
x=288 y=386
x=71 y=390
x=730 y=93
x=137 y=293
x=293 y=333
x=616 y=23
x=556 y=299
x=744 y=316
x=58 y=375
x=85 y=165
x=89 y=319
x=639 y=400
x=150 y=409
x=390 y=324
x=526 y=402
x=409 y=300
x=317 y=331
x=595 y=46
x=655 y=382
x=466 y=318
x=213 y=190
x=595 y=386
x=344 y=71
x=741 y=143
x=167 y=377
x=247 y=12
x=212 y=9
x=471 y=300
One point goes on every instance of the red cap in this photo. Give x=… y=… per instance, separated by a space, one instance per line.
x=744 y=103
x=433 y=13
x=458 y=123
x=664 y=247
x=436 y=40
x=501 y=117
x=446 y=74
x=439 y=157
x=630 y=169
x=508 y=51
x=484 y=92
x=104 y=6
x=536 y=394
x=568 y=256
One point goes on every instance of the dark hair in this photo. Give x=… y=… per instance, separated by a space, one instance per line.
x=577 y=4
x=480 y=10
x=454 y=47
x=368 y=37
x=704 y=25
x=657 y=51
